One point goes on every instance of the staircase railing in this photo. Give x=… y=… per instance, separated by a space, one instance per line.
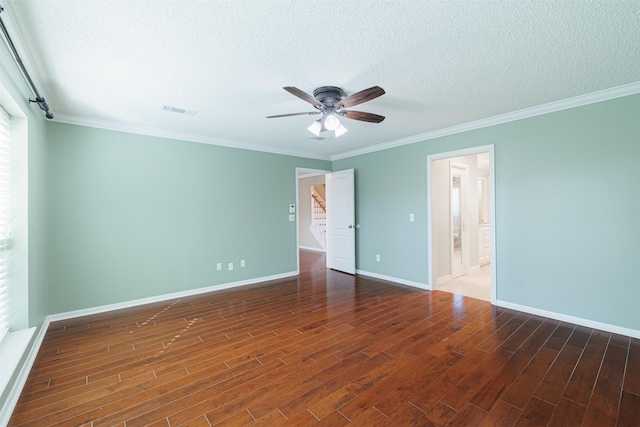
x=318 y=225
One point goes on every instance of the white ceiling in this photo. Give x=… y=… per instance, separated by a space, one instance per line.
x=114 y=64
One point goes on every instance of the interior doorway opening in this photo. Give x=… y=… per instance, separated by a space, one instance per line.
x=310 y=211
x=461 y=223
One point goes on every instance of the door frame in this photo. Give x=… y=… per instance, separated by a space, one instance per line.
x=431 y=279
x=307 y=173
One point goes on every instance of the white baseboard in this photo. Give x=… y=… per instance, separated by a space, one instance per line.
x=308 y=248
x=165 y=297
x=418 y=285
x=571 y=319
x=474 y=269
x=442 y=280
x=7 y=407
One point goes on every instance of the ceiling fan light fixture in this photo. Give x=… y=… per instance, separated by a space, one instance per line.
x=331 y=122
x=341 y=131
x=316 y=127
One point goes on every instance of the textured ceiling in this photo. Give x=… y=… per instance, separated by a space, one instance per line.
x=441 y=63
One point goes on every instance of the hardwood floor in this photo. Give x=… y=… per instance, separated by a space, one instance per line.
x=329 y=349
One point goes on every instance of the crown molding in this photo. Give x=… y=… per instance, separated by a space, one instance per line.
x=591 y=98
x=603 y=95
x=182 y=136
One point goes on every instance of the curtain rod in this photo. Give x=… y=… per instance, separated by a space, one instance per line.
x=42 y=103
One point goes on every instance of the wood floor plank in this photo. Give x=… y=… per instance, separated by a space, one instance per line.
x=560 y=336
x=555 y=380
x=519 y=393
x=632 y=373
x=568 y=413
x=601 y=412
x=611 y=375
x=629 y=410
x=478 y=376
x=579 y=337
x=327 y=348
x=496 y=387
x=537 y=413
x=502 y=415
x=469 y=415
x=584 y=376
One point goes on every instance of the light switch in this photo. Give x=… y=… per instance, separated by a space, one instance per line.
x=292 y=208
x=292 y=217
x=411 y=217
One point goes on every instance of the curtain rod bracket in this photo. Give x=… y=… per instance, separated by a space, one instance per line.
x=39 y=99
x=42 y=103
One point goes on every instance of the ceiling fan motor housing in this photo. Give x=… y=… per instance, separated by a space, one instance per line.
x=328 y=95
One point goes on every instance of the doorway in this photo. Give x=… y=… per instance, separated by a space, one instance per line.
x=461 y=222
x=310 y=226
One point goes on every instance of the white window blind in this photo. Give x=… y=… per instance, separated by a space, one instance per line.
x=5 y=222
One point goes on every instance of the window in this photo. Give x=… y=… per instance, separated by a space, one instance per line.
x=5 y=222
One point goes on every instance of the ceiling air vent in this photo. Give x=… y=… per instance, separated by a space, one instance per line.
x=319 y=138
x=179 y=110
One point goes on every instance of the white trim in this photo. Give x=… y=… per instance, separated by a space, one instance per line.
x=431 y=279
x=181 y=136
x=577 y=101
x=165 y=297
x=474 y=268
x=7 y=407
x=309 y=248
x=443 y=279
x=634 y=333
x=422 y=286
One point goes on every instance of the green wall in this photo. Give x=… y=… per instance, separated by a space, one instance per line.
x=136 y=216
x=132 y=216
x=567 y=209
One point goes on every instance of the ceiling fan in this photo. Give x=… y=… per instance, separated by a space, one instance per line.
x=330 y=102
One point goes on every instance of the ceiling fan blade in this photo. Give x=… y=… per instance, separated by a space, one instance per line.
x=360 y=97
x=363 y=117
x=303 y=95
x=294 y=114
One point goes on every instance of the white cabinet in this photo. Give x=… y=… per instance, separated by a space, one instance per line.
x=484 y=244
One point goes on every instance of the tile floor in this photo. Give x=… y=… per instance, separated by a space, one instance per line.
x=474 y=285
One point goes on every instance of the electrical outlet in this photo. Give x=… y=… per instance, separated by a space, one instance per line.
x=230 y=266
x=378 y=257
x=242 y=263
x=219 y=266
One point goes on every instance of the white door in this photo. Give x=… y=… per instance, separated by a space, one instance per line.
x=459 y=221
x=341 y=226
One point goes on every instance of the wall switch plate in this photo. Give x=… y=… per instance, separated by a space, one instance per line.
x=378 y=257
x=219 y=266
x=242 y=263
x=411 y=217
x=292 y=217
x=230 y=266
x=292 y=208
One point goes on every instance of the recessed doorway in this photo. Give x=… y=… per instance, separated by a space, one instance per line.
x=461 y=223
